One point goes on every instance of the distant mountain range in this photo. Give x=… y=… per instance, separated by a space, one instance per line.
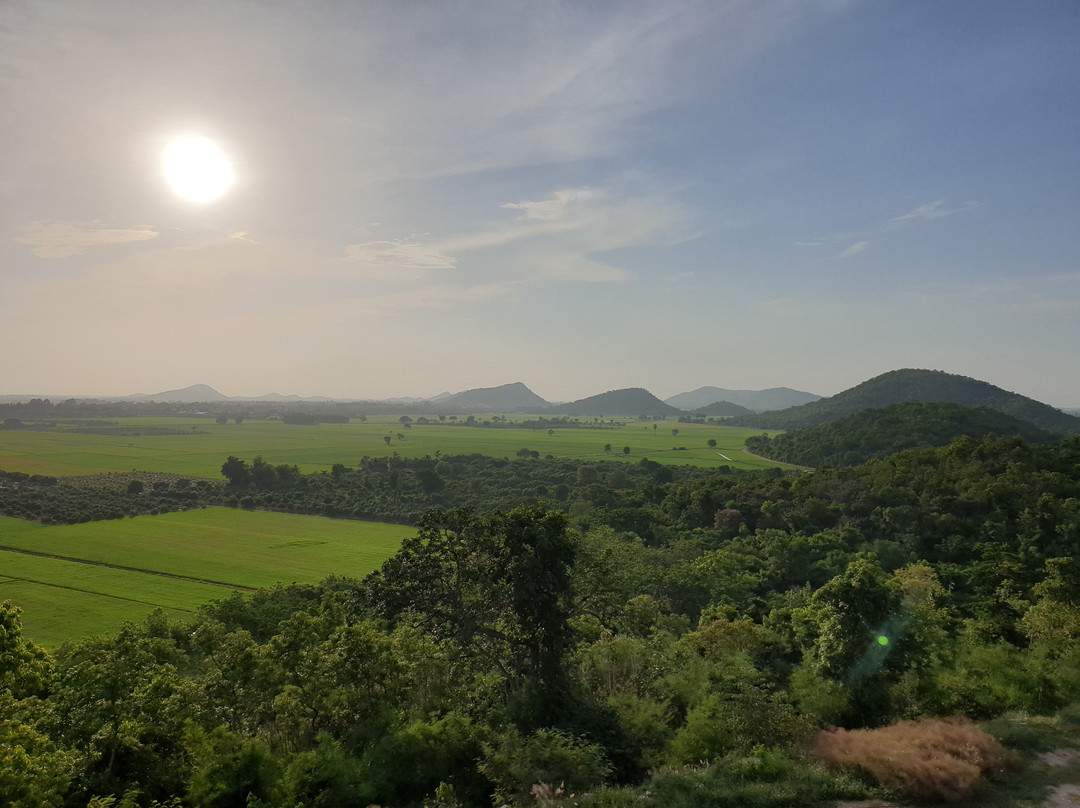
x=775 y=398
x=517 y=397
x=900 y=386
x=753 y=408
x=199 y=393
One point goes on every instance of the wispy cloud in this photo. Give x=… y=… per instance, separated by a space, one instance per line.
x=561 y=236
x=556 y=85
x=402 y=254
x=52 y=239
x=854 y=249
x=932 y=210
x=553 y=209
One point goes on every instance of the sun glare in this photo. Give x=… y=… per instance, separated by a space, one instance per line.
x=197 y=169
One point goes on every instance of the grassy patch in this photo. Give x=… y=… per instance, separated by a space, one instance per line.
x=53 y=615
x=197 y=447
x=64 y=599
x=765 y=779
x=1035 y=739
x=245 y=548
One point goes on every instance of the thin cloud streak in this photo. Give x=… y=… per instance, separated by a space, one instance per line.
x=51 y=239
x=406 y=254
x=931 y=211
x=855 y=249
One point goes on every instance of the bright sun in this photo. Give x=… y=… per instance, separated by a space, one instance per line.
x=197 y=169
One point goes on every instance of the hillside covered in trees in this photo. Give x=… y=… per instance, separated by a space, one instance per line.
x=900 y=386
x=872 y=434
x=649 y=642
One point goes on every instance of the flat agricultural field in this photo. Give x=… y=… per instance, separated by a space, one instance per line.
x=76 y=580
x=199 y=446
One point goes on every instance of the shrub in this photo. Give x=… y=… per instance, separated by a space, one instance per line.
x=764 y=779
x=514 y=764
x=939 y=759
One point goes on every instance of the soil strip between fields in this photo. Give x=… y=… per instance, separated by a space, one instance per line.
x=128 y=569
x=777 y=462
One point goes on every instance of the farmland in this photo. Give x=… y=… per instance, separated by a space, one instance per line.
x=196 y=447
x=90 y=578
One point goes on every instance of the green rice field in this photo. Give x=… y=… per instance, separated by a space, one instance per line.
x=77 y=580
x=92 y=577
x=200 y=445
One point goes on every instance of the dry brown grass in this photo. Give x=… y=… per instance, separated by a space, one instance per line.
x=937 y=759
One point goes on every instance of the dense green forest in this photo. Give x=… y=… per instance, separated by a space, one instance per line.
x=873 y=434
x=661 y=638
x=389 y=489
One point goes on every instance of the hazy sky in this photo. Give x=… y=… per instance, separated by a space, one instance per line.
x=581 y=196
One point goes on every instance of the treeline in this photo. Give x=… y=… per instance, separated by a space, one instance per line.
x=671 y=646
x=877 y=433
x=402 y=489
x=393 y=488
x=56 y=501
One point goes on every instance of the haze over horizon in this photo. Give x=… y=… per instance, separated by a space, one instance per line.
x=421 y=198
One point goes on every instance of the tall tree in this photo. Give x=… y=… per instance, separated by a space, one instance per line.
x=498 y=586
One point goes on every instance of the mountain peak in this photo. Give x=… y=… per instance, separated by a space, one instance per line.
x=513 y=397
x=188 y=395
x=629 y=401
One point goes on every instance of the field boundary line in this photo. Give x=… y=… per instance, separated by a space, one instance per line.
x=173 y=575
x=101 y=594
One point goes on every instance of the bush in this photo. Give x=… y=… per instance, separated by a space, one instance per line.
x=766 y=778
x=412 y=761
x=729 y=723
x=940 y=759
x=514 y=764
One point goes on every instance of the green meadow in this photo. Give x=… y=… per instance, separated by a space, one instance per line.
x=200 y=445
x=94 y=576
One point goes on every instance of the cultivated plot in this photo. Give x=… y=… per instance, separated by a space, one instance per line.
x=199 y=446
x=75 y=580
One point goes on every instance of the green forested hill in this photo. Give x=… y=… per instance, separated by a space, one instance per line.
x=722 y=409
x=877 y=433
x=629 y=401
x=899 y=386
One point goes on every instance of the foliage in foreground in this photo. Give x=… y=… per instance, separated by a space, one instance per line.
x=665 y=643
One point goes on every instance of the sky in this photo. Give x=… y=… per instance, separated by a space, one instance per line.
x=581 y=196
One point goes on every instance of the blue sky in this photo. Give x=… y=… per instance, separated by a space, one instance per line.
x=581 y=196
